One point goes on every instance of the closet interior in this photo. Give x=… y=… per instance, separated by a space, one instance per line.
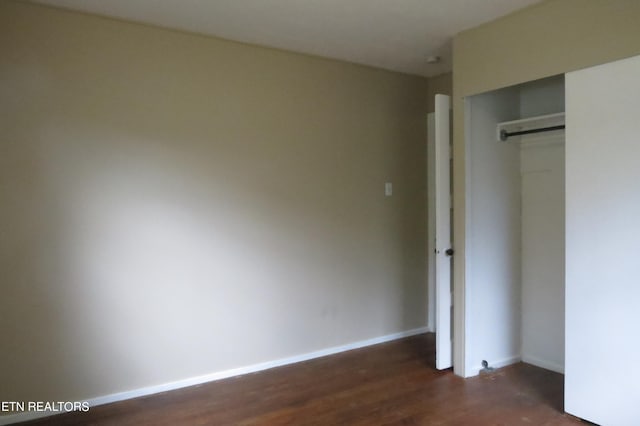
x=515 y=217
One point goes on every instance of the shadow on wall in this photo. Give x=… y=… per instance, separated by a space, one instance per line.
x=151 y=234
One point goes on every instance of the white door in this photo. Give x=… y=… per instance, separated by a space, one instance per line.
x=439 y=230
x=602 y=373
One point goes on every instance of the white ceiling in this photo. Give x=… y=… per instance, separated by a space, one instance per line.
x=397 y=35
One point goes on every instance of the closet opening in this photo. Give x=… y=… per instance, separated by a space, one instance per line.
x=515 y=216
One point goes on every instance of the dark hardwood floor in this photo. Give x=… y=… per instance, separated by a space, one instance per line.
x=388 y=384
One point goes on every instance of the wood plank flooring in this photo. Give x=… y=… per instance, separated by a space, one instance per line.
x=388 y=384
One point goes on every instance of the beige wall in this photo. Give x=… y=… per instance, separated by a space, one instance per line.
x=549 y=38
x=175 y=205
x=439 y=85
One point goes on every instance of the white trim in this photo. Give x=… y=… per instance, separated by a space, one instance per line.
x=431 y=226
x=462 y=330
x=498 y=363
x=24 y=417
x=547 y=365
x=150 y=390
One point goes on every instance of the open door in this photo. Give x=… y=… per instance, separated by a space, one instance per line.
x=602 y=243
x=439 y=229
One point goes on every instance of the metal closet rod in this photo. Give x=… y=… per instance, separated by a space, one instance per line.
x=504 y=134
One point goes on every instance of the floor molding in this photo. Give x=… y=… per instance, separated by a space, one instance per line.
x=219 y=375
x=538 y=362
x=497 y=363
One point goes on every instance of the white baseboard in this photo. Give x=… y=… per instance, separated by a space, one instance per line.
x=121 y=396
x=496 y=363
x=548 y=365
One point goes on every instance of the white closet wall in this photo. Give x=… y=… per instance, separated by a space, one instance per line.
x=542 y=97
x=493 y=249
x=542 y=178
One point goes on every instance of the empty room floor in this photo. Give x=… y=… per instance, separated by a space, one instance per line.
x=387 y=384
